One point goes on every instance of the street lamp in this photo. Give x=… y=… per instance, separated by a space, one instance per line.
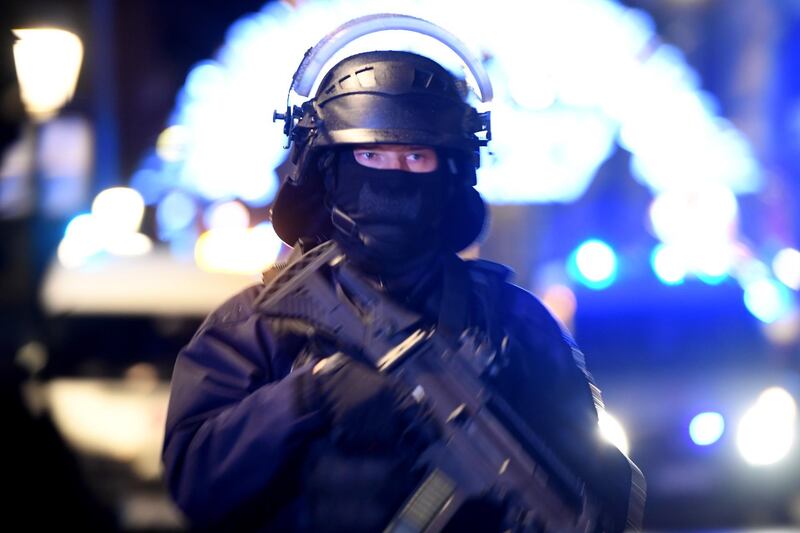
x=47 y=61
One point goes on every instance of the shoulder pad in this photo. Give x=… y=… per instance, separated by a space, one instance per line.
x=235 y=308
x=482 y=267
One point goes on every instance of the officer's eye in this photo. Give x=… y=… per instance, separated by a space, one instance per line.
x=421 y=160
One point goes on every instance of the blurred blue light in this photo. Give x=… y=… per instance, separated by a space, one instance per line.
x=175 y=211
x=767 y=299
x=205 y=80
x=182 y=243
x=706 y=428
x=150 y=183
x=594 y=264
x=711 y=279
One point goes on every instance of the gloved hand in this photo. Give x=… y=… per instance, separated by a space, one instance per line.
x=357 y=476
x=367 y=410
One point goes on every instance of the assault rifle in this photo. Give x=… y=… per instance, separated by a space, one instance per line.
x=486 y=449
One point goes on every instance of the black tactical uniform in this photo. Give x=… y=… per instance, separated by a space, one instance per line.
x=258 y=439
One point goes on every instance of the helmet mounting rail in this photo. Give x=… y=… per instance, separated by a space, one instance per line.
x=317 y=56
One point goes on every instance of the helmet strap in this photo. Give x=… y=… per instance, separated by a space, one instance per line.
x=343 y=222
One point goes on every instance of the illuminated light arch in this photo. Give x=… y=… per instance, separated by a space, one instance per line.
x=574 y=78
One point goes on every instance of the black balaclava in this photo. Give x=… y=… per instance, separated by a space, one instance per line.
x=389 y=222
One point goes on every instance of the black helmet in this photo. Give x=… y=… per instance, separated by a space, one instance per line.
x=387 y=97
x=382 y=97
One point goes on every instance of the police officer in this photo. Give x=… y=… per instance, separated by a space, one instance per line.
x=263 y=431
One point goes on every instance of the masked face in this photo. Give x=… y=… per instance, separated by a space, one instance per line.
x=395 y=195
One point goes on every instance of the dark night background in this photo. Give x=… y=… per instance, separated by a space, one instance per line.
x=656 y=358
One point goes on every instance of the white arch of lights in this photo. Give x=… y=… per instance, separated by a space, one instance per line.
x=572 y=79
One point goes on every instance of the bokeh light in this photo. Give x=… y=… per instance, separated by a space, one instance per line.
x=129 y=244
x=766 y=430
x=594 y=264
x=238 y=250
x=706 y=428
x=669 y=264
x=786 y=266
x=112 y=227
x=175 y=212
x=230 y=215
x=48 y=62
x=118 y=209
x=767 y=299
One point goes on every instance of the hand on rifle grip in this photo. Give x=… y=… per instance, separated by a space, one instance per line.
x=369 y=411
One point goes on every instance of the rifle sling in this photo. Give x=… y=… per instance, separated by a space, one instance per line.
x=454 y=306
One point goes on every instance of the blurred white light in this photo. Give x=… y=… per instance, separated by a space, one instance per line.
x=766 y=430
x=669 y=264
x=612 y=431
x=532 y=88
x=118 y=210
x=79 y=225
x=129 y=244
x=83 y=239
x=112 y=227
x=264 y=238
x=596 y=260
x=779 y=401
x=663 y=113
x=706 y=428
x=749 y=270
x=695 y=218
x=563 y=148
x=767 y=299
x=48 y=61
x=595 y=264
x=713 y=262
x=242 y=251
x=117 y=419
x=786 y=266
x=258 y=189
x=73 y=253
x=231 y=215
